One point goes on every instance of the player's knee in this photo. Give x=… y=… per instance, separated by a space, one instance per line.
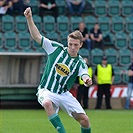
x=84 y=122
x=47 y=104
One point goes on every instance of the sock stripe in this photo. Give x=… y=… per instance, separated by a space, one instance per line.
x=52 y=116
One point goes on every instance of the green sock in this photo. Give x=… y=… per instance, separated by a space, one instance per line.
x=56 y=122
x=85 y=130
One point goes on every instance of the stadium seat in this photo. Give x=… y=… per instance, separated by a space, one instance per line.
x=118 y=75
x=90 y=21
x=7 y=23
x=10 y=41
x=131 y=41
x=74 y=21
x=62 y=23
x=84 y=52
x=113 y=8
x=124 y=57
x=104 y=23
x=63 y=36
x=52 y=36
x=112 y=55
x=61 y=7
x=38 y=22
x=21 y=24
x=121 y=40
x=48 y=23
x=24 y=41
x=117 y=24
x=96 y=56
x=108 y=38
x=129 y=24
x=100 y=8
x=127 y=8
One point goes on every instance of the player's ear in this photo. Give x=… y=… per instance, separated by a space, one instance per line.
x=81 y=44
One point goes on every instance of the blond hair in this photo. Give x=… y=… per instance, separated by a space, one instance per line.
x=76 y=35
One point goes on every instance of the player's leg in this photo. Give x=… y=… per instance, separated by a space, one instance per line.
x=70 y=105
x=53 y=117
x=84 y=122
x=45 y=98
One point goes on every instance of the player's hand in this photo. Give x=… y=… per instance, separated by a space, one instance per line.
x=88 y=82
x=28 y=13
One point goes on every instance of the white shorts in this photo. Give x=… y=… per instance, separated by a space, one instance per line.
x=65 y=101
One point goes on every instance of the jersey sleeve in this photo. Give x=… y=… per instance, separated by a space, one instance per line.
x=83 y=70
x=49 y=46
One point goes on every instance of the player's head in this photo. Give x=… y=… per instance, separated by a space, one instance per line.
x=74 y=42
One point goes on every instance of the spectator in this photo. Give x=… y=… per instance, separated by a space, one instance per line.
x=75 y=6
x=82 y=92
x=130 y=85
x=104 y=77
x=96 y=37
x=84 y=31
x=18 y=7
x=5 y=7
x=46 y=6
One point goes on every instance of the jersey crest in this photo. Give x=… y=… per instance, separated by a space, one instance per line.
x=62 y=69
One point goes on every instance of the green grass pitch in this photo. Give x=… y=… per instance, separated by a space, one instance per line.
x=36 y=121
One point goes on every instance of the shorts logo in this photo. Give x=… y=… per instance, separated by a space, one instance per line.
x=62 y=69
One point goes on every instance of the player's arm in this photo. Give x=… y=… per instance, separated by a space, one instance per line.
x=83 y=73
x=35 y=34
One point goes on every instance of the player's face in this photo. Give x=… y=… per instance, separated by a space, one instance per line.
x=73 y=46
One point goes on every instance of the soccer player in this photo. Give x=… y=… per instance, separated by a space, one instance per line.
x=62 y=68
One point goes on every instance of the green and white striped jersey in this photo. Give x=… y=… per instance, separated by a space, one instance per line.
x=61 y=69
